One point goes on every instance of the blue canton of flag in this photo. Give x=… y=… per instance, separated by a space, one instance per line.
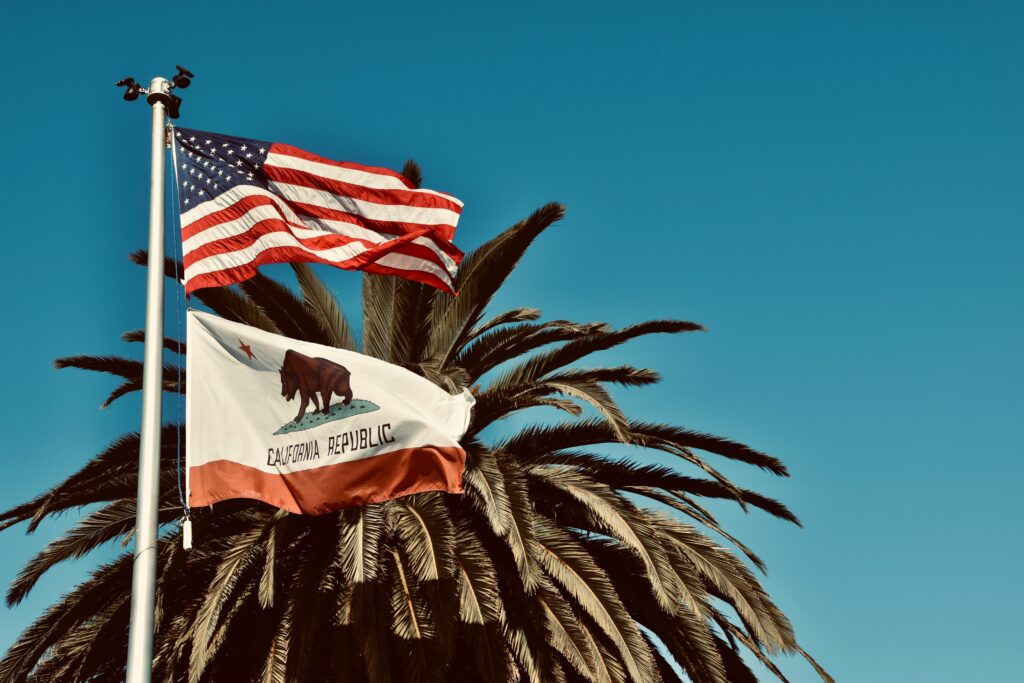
x=208 y=164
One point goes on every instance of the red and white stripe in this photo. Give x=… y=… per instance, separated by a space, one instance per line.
x=321 y=211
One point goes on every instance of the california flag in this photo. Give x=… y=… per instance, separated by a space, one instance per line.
x=311 y=428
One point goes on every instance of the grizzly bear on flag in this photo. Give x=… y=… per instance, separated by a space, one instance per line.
x=305 y=375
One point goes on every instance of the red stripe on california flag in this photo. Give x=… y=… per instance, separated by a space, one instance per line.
x=323 y=489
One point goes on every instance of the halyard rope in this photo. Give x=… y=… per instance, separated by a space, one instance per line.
x=178 y=303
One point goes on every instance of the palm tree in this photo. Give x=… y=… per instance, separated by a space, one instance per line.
x=557 y=564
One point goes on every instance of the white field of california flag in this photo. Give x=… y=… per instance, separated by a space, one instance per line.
x=310 y=428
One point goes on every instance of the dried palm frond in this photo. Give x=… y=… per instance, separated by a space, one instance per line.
x=558 y=563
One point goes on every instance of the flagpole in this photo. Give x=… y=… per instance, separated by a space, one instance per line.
x=140 y=626
x=140 y=629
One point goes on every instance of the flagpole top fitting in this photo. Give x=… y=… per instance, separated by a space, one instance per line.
x=159 y=90
x=131 y=88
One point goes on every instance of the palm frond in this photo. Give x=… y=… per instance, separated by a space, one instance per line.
x=559 y=564
x=596 y=396
x=477 y=581
x=534 y=441
x=237 y=558
x=309 y=595
x=357 y=553
x=665 y=671
x=173 y=383
x=480 y=613
x=226 y=302
x=572 y=567
x=378 y=312
x=112 y=365
x=485 y=489
x=284 y=309
x=408 y=623
x=520 y=536
x=818 y=668
x=425 y=532
x=480 y=275
x=426 y=538
x=108 y=476
x=115 y=520
x=130 y=369
x=266 y=585
x=169 y=344
x=540 y=365
x=684 y=631
x=754 y=649
x=275 y=668
x=483 y=353
x=411 y=171
x=611 y=514
x=625 y=473
x=516 y=315
x=64 y=617
x=607 y=666
x=75 y=655
x=730 y=580
x=565 y=633
x=325 y=308
x=409 y=323
x=173 y=269
x=235 y=305
x=686 y=506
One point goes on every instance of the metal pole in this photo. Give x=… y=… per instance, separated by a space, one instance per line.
x=140 y=630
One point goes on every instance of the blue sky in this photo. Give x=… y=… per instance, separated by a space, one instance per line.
x=834 y=190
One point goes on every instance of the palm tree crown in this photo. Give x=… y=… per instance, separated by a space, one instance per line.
x=557 y=564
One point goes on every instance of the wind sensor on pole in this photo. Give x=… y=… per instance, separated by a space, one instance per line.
x=164 y=104
x=159 y=90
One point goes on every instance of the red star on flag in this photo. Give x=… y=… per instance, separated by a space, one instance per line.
x=246 y=348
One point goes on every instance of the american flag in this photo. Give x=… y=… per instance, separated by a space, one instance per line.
x=244 y=203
